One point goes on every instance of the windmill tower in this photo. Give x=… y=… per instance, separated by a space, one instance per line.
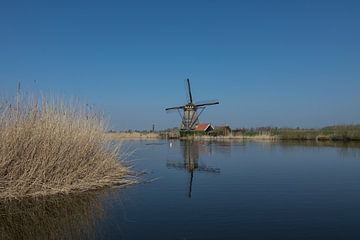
x=189 y=112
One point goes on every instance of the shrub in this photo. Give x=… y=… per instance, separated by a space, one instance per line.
x=51 y=147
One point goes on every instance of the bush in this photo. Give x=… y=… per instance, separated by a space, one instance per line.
x=50 y=148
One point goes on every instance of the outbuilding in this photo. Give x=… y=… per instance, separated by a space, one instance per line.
x=221 y=131
x=204 y=127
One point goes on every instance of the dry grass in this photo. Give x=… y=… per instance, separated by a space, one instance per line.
x=50 y=147
x=234 y=137
x=133 y=135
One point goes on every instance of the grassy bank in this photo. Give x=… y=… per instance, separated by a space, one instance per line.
x=132 y=135
x=342 y=133
x=48 y=148
x=331 y=133
x=231 y=137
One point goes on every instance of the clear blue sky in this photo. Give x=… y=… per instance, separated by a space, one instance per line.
x=270 y=63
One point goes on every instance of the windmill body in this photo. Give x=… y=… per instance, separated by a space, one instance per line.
x=189 y=112
x=189 y=118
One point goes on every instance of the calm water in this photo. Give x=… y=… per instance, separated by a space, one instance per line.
x=223 y=190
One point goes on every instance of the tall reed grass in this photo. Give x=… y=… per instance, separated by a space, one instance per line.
x=49 y=147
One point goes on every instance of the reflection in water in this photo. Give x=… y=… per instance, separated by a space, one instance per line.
x=55 y=217
x=191 y=151
x=339 y=144
x=344 y=149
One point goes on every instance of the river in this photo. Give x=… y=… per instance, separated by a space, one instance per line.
x=215 y=190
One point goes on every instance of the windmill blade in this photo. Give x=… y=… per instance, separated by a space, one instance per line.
x=171 y=110
x=207 y=103
x=188 y=91
x=174 y=108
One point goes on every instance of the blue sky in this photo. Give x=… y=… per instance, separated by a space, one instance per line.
x=270 y=63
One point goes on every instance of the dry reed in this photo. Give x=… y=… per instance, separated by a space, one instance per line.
x=49 y=147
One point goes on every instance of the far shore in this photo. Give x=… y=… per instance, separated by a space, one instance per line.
x=154 y=135
x=232 y=137
x=132 y=135
x=337 y=134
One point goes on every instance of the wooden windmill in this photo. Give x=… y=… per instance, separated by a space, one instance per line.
x=189 y=112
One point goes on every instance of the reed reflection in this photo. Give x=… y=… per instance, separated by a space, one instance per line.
x=191 y=151
x=343 y=149
x=55 y=217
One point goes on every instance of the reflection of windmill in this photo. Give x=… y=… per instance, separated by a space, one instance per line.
x=190 y=150
x=189 y=115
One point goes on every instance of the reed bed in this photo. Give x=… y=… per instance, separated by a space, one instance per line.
x=331 y=133
x=49 y=147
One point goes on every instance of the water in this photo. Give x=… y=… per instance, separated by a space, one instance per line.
x=223 y=190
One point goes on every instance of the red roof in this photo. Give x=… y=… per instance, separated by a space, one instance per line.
x=202 y=127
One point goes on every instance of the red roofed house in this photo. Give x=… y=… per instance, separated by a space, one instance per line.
x=204 y=127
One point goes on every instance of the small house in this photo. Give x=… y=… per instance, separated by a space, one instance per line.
x=204 y=127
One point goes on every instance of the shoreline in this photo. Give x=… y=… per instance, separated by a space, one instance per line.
x=268 y=138
x=132 y=136
x=231 y=137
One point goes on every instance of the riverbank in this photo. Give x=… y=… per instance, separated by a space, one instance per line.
x=331 y=133
x=232 y=137
x=118 y=136
x=339 y=133
x=132 y=136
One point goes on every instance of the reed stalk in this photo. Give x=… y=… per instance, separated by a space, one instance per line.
x=50 y=147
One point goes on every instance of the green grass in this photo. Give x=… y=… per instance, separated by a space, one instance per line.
x=331 y=133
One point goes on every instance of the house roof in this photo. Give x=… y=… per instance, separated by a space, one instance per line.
x=202 y=127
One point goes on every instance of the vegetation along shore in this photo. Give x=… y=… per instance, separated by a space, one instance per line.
x=49 y=147
x=330 y=133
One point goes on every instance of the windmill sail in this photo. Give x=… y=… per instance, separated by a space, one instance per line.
x=206 y=103
x=188 y=88
x=190 y=117
x=174 y=108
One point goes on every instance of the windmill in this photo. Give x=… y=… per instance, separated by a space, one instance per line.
x=188 y=112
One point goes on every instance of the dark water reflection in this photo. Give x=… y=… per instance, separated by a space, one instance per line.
x=191 y=151
x=55 y=217
x=211 y=190
x=244 y=190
